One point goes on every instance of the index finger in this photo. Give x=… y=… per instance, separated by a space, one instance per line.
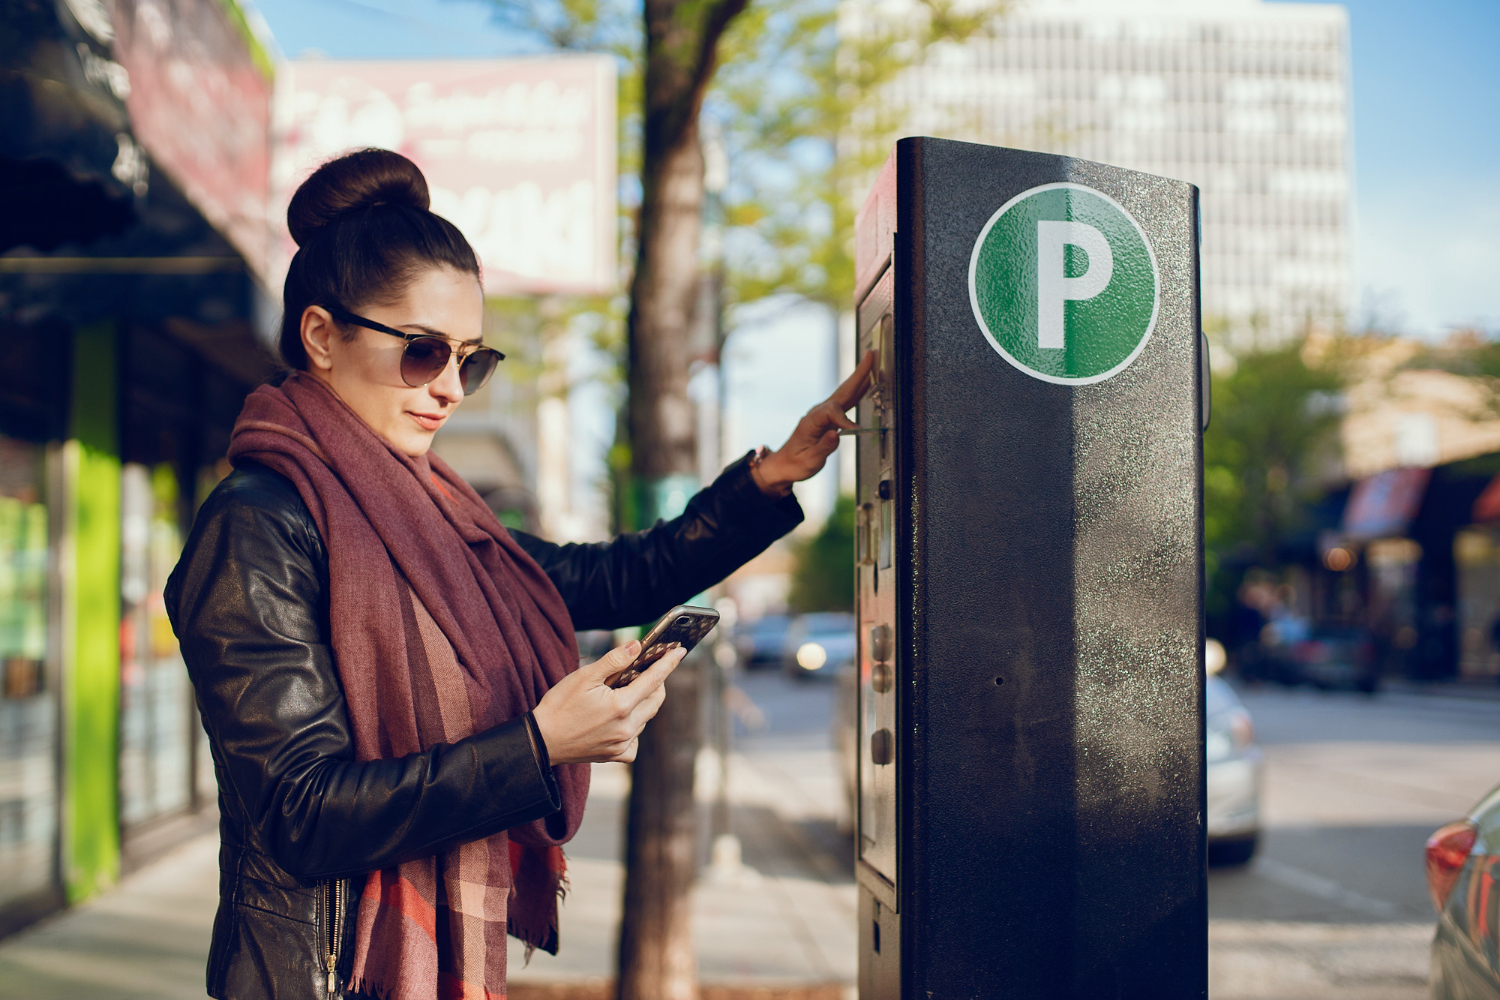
x=853 y=388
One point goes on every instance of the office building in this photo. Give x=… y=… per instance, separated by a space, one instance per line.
x=1248 y=100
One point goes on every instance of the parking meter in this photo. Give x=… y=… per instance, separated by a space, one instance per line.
x=1029 y=580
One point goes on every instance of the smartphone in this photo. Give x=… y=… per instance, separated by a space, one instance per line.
x=683 y=626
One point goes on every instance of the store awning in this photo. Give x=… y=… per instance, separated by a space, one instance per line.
x=1383 y=505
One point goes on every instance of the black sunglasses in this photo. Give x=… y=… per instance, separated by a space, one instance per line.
x=426 y=355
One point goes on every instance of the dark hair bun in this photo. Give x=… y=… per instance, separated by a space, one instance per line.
x=363 y=232
x=354 y=181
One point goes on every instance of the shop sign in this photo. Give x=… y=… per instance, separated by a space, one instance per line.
x=518 y=153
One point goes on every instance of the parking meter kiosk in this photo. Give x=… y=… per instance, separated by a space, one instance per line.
x=1030 y=708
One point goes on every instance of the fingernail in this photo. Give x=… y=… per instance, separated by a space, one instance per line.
x=633 y=647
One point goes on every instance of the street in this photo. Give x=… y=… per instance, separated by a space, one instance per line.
x=1334 y=906
x=1336 y=903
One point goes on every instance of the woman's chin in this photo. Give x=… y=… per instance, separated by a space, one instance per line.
x=409 y=442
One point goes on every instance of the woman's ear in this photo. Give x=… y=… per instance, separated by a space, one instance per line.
x=318 y=333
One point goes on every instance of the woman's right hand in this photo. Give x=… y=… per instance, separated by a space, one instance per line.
x=584 y=720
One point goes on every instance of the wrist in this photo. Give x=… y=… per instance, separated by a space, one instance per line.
x=766 y=471
x=538 y=741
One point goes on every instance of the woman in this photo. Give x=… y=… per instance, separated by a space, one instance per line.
x=389 y=679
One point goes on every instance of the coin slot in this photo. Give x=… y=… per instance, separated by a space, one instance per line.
x=865 y=527
x=887 y=533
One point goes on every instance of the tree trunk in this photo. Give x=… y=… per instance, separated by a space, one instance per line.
x=663 y=438
x=657 y=961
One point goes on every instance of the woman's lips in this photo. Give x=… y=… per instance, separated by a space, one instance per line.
x=427 y=421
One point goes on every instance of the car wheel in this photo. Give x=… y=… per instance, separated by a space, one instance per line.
x=1230 y=853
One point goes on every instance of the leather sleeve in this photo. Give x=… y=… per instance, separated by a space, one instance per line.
x=249 y=604
x=637 y=577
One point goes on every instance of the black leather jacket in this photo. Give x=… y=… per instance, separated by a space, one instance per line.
x=299 y=815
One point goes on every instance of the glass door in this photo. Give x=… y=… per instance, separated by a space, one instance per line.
x=158 y=723
x=28 y=696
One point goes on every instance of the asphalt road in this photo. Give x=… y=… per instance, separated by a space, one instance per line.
x=1335 y=904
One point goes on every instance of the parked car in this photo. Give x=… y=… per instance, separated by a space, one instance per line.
x=1335 y=658
x=762 y=642
x=1235 y=770
x=1462 y=858
x=817 y=643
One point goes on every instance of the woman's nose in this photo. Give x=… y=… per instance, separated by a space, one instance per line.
x=448 y=387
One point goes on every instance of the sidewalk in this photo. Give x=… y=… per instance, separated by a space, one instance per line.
x=144 y=941
x=1473 y=689
x=783 y=929
x=789 y=919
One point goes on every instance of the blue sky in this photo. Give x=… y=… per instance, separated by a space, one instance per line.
x=1427 y=161
x=1426 y=134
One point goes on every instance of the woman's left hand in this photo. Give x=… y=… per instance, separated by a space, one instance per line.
x=816 y=436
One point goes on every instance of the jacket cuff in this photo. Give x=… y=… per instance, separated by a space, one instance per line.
x=523 y=793
x=776 y=515
x=538 y=745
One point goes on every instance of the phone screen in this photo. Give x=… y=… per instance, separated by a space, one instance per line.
x=683 y=626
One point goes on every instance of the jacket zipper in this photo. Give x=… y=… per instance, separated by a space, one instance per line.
x=333 y=892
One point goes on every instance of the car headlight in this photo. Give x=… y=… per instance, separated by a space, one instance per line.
x=811 y=656
x=1228 y=734
x=1219 y=744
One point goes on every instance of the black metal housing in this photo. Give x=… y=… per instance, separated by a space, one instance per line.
x=1047 y=702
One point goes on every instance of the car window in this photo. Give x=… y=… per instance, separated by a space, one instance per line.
x=770 y=625
x=1218 y=696
x=827 y=623
x=1487 y=815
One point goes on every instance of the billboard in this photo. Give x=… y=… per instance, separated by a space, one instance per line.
x=201 y=106
x=518 y=153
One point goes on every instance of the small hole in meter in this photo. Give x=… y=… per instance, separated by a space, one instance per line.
x=999 y=681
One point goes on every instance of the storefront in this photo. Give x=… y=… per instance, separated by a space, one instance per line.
x=128 y=322
x=1476 y=553
x=177 y=414
x=29 y=705
x=1424 y=545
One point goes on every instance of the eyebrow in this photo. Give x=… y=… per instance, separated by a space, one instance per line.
x=434 y=332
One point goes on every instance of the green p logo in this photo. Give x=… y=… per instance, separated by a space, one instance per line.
x=1064 y=285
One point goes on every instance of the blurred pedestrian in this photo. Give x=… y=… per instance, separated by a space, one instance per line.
x=389 y=678
x=1247 y=621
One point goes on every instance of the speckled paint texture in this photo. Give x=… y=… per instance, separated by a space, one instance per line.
x=1050 y=726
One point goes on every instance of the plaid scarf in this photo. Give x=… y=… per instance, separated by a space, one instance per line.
x=442 y=627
